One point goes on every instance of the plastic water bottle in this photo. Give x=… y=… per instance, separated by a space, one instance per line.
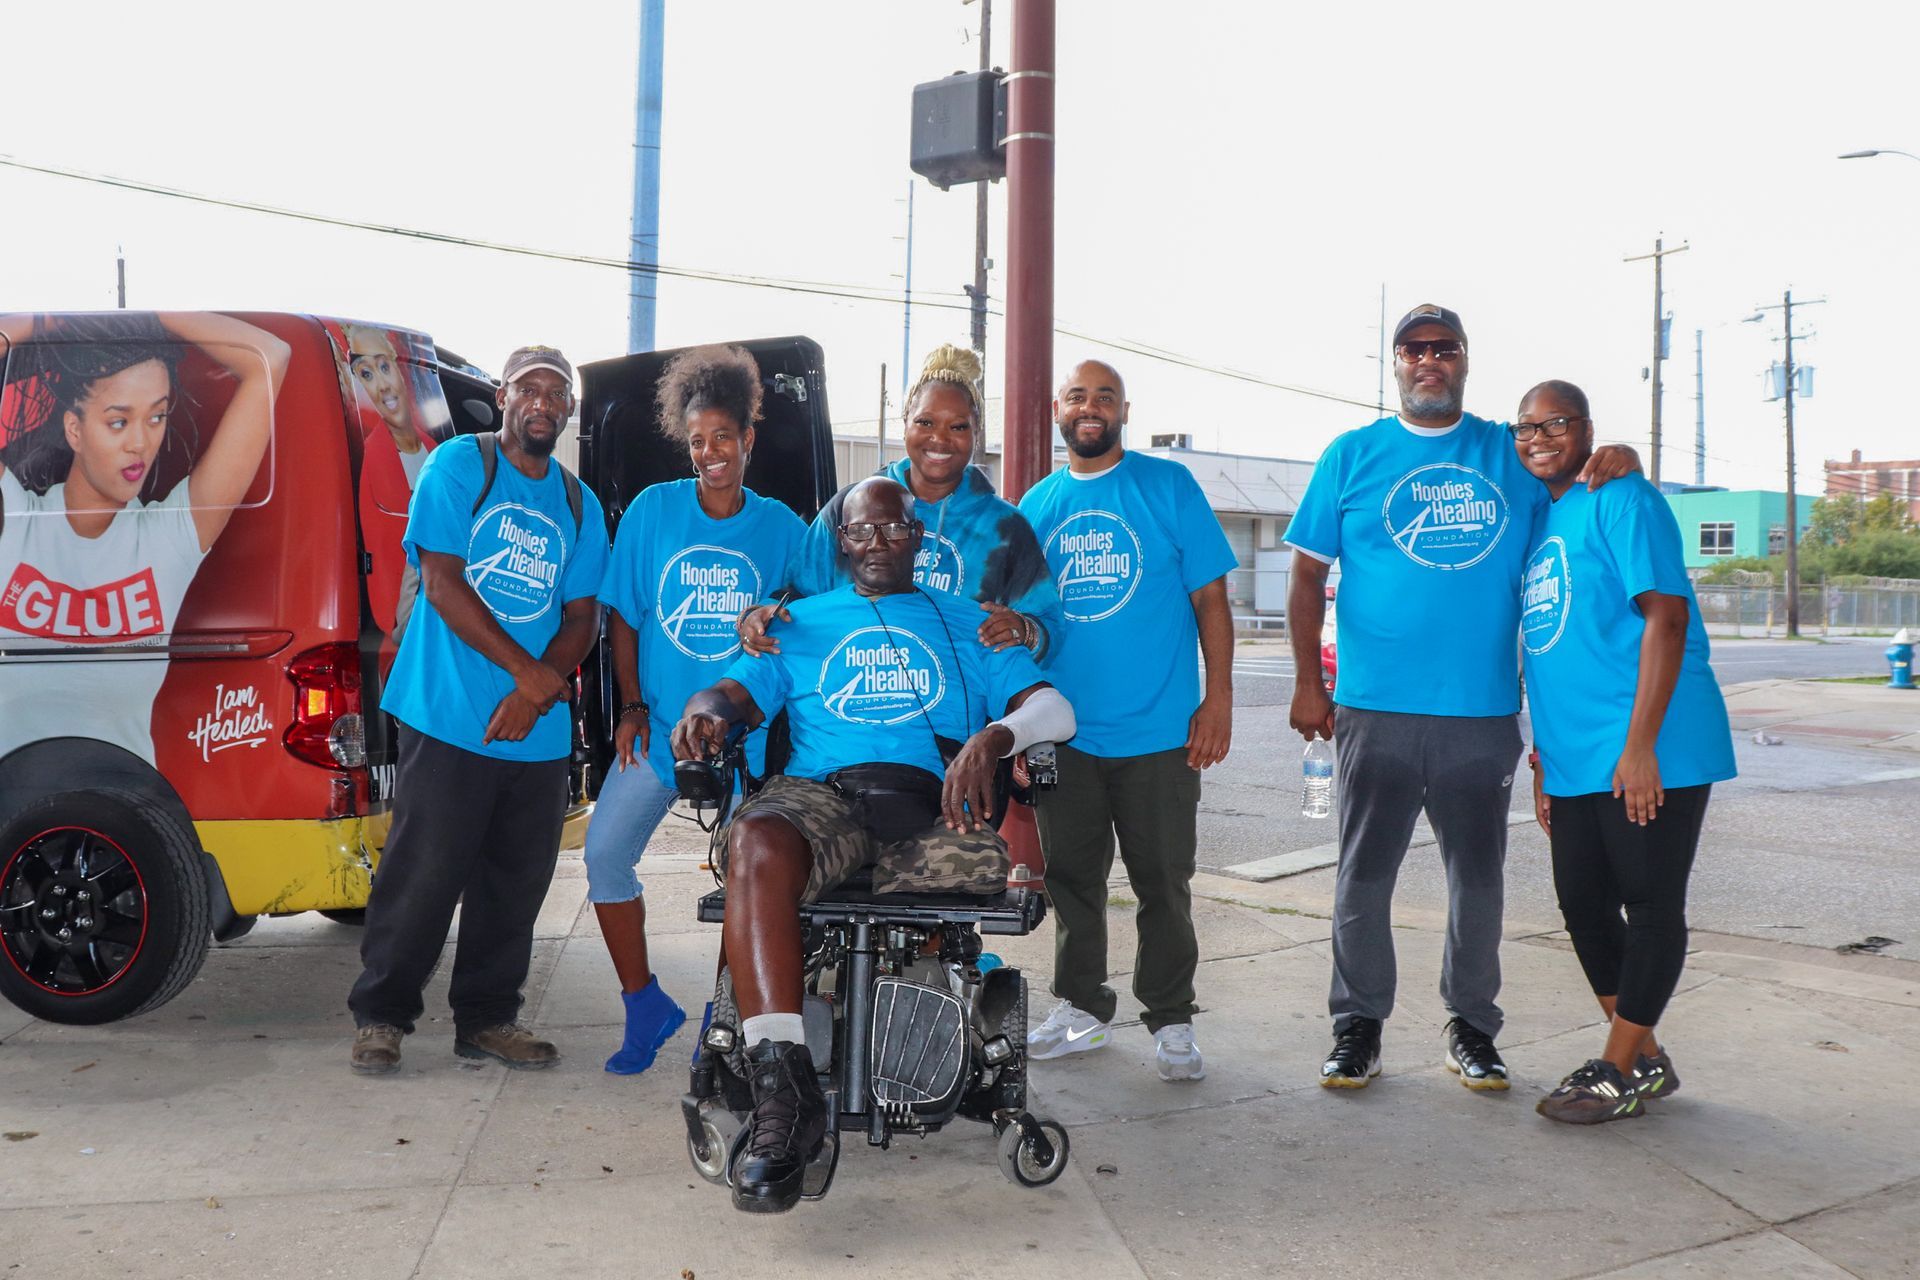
x=1316 y=779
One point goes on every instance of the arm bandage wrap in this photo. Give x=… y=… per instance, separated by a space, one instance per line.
x=1044 y=717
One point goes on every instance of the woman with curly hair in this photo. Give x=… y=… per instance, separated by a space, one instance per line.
x=92 y=549
x=689 y=556
x=977 y=545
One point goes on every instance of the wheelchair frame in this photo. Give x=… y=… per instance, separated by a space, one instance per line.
x=854 y=942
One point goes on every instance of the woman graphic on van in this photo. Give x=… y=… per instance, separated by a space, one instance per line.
x=375 y=368
x=92 y=550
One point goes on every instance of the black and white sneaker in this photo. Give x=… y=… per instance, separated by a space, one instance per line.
x=1593 y=1094
x=1471 y=1056
x=1655 y=1077
x=1355 y=1059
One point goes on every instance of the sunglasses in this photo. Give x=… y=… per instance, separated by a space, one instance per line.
x=1552 y=428
x=865 y=532
x=1443 y=349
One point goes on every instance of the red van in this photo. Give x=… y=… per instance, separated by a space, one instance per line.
x=201 y=581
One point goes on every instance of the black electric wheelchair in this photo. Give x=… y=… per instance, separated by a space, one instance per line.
x=905 y=1029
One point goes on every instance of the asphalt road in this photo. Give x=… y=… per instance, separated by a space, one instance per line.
x=1250 y=803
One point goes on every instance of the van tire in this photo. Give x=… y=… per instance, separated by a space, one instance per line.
x=353 y=917
x=150 y=939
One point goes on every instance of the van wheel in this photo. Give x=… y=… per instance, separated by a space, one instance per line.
x=355 y=916
x=103 y=907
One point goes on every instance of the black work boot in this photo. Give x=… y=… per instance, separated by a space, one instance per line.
x=788 y=1123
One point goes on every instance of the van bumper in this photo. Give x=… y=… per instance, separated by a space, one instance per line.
x=573 y=832
x=274 y=866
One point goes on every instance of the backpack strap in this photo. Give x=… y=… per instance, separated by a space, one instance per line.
x=490 y=463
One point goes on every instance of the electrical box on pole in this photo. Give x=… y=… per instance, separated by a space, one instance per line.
x=958 y=127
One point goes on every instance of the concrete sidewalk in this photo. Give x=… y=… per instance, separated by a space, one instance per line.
x=224 y=1136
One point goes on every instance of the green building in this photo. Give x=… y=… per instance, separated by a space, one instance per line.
x=1719 y=524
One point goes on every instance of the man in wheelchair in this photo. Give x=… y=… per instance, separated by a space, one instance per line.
x=880 y=680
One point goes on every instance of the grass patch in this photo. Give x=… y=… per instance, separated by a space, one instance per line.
x=1116 y=900
x=1261 y=907
x=1879 y=680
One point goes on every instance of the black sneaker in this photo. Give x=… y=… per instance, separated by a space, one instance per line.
x=1593 y=1094
x=1471 y=1056
x=1355 y=1059
x=1654 y=1077
x=786 y=1128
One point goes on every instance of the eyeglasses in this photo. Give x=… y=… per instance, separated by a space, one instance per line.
x=864 y=532
x=526 y=392
x=1552 y=428
x=1445 y=350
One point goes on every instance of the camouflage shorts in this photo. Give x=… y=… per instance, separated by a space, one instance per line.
x=935 y=861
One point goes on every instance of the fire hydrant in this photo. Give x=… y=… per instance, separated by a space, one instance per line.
x=1900 y=654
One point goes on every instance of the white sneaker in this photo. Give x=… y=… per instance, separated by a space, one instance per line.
x=1175 y=1053
x=1066 y=1030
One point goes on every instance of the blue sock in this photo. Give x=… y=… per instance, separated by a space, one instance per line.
x=652 y=1018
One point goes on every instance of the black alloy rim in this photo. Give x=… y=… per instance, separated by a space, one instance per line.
x=73 y=911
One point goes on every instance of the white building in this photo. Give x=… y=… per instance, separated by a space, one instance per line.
x=1254 y=498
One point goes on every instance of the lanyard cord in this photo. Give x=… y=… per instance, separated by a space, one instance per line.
x=966 y=695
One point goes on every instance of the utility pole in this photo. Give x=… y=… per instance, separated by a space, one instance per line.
x=906 y=309
x=1659 y=339
x=1793 y=500
x=880 y=422
x=1030 y=148
x=978 y=293
x=1381 y=407
x=1699 y=409
x=120 y=264
x=644 y=258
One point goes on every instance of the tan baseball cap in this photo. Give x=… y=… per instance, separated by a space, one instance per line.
x=527 y=359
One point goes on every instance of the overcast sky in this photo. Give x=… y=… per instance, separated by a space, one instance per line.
x=1236 y=181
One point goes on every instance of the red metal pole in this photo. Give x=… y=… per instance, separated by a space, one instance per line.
x=1029 y=355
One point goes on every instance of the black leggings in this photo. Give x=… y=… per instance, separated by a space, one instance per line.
x=1604 y=863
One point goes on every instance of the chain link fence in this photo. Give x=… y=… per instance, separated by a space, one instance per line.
x=1760 y=609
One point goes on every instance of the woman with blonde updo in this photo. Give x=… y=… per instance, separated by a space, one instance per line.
x=977 y=545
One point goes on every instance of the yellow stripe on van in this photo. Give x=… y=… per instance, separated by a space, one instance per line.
x=290 y=865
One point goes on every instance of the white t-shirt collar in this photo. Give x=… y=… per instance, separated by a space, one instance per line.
x=1431 y=433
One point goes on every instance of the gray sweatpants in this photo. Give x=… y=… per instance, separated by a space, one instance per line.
x=1460 y=770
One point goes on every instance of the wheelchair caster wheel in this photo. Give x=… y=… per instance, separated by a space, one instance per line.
x=712 y=1151
x=1033 y=1152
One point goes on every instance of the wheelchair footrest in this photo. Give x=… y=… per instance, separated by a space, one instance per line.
x=919 y=1055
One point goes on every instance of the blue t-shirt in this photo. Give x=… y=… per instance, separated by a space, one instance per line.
x=1582 y=631
x=977 y=547
x=1126 y=548
x=680 y=579
x=526 y=560
x=861 y=677
x=1431 y=532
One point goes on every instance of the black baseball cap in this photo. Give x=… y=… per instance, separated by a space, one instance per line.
x=1430 y=313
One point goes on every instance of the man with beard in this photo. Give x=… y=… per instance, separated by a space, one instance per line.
x=510 y=548
x=1429 y=514
x=1141 y=565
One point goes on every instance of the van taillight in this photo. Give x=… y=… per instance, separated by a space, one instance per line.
x=327 y=728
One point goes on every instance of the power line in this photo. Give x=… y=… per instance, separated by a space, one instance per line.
x=829 y=289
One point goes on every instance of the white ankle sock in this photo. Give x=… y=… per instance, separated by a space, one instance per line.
x=777 y=1027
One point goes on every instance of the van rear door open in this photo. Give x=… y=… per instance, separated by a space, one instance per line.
x=622 y=452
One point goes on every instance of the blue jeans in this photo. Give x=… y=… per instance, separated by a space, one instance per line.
x=631 y=803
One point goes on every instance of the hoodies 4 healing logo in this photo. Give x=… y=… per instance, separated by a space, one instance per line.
x=1095 y=558
x=513 y=561
x=702 y=590
x=877 y=676
x=1445 y=516
x=1546 y=596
